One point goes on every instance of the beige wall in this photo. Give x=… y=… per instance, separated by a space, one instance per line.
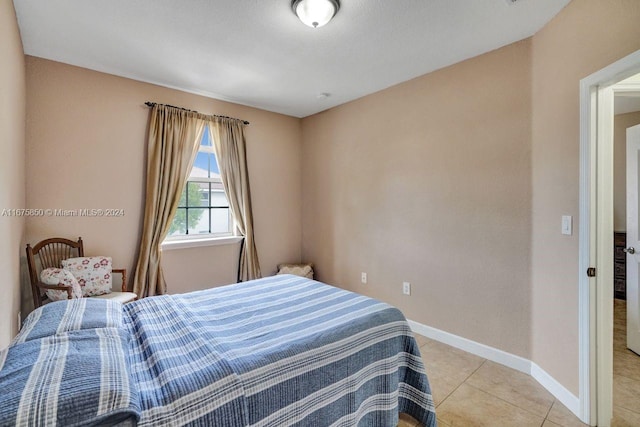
x=621 y=123
x=583 y=38
x=430 y=182
x=455 y=181
x=199 y=260
x=12 y=185
x=86 y=145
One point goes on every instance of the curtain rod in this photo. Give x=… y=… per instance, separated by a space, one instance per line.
x=151 y=104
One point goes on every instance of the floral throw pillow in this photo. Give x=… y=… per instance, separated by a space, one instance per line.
x=93 y=274
x=60 y=277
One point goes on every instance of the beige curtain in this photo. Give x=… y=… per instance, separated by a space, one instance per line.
x=228 y=138
x=174 y=139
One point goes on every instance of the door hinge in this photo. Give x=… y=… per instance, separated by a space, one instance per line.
x=591 y=272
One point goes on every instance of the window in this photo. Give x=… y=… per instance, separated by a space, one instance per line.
x=203 y=209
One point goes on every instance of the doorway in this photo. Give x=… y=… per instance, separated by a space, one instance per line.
x=596 y=318
x=626 y=310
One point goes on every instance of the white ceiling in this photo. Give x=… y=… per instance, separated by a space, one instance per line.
x=627 y=103
x=627 y=95
x=257 y=52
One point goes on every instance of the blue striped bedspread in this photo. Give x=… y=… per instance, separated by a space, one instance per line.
x=68 y=367
x=279 y=351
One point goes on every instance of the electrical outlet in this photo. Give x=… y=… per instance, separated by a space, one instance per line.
x=363 y=277
x=406 y=288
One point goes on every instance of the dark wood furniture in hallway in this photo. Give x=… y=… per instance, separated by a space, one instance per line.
x=619 y=266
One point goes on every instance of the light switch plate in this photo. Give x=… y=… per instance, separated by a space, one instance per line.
x=567 y=225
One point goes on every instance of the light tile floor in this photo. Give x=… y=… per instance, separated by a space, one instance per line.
x=472 y=391
x=626 y=372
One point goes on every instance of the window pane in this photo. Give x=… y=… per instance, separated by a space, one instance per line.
x=206 y=139
x=220 y=221
x=200 y=166
x=183 y=198
x=216 y=185
x=213 y=166
x=198 y=221
x=218 y=198
x=178 y=226
x=203 y=206
x=194 y=194
x=198 y=194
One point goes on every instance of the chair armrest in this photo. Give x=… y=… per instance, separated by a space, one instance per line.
x=67 y=289
x=122 y=271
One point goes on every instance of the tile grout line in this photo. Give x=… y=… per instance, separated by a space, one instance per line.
x=464 y=381
x=475 y=370
x=550 y=408
x=544 y=420
x=546 y=417
x=508 y=403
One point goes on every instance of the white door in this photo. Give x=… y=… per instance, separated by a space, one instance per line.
x=633 y=239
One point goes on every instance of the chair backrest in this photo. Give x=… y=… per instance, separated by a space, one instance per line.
x=48 y=254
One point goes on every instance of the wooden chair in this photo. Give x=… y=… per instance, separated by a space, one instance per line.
x=49 y=253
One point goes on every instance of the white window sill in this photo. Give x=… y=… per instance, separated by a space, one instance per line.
x=169 y=245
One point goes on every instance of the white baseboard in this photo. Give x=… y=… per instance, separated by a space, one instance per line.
x=518 y=363
x=502 y=357
x=565 y=397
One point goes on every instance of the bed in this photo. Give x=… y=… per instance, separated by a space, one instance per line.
x=278 y=351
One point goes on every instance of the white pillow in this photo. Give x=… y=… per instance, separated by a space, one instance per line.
x=93 y=274
x=60 y=277
x=304 y=270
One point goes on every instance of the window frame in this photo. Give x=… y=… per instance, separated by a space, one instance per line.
x=224 y=237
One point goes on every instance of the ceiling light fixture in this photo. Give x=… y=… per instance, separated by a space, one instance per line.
x=315 y=13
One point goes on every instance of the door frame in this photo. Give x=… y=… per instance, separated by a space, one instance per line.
x=595 y=294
